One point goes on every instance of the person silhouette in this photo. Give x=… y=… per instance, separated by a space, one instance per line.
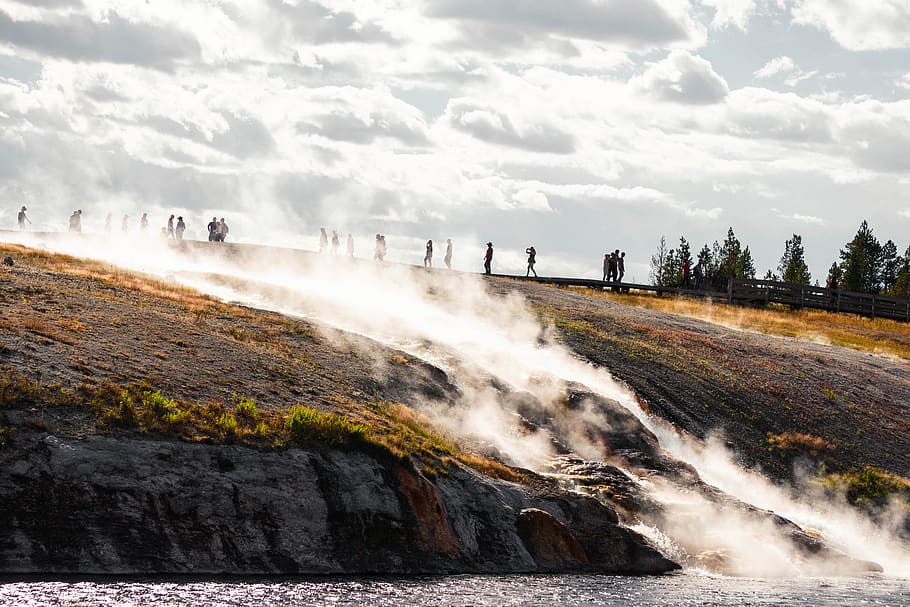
x=488 y=259
x=448 y=258
x=428 y=258
x=350 y=245
x=532 y=259
x=323 y=240
x=22 y=218
x=335 y=242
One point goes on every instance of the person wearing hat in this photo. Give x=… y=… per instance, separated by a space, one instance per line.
x=181 y=228
x=488 y=258
x=23 y=218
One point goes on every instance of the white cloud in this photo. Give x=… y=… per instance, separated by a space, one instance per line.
x=806 y=219
x=775 y=67
x=904 y=212
x=684 y=78
x=858 y=25
x=904 y=81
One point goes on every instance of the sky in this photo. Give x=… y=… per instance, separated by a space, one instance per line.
x=576 y=126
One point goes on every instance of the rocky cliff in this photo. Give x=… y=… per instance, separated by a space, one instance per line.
x=121 y=505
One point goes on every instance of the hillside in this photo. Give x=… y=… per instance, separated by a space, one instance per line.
x=219 y=438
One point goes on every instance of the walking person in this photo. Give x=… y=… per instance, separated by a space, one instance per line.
x=335 y=242
x=532 y=259
x=621 y=266
x=382 y=248
x=488 y=259
x=213 y=229
x=22 y=218
x=428 y=258
x=323 y=240
x=377 y=255
x=181 y=228
x=699 y=273
x=144 y=222
x=170 y=227
x=448 y=258
x=350 y=245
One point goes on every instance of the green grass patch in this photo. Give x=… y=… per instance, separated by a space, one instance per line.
x=307 y=425
x=869 y=487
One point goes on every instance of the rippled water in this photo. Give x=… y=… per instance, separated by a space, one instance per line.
x=683 y=590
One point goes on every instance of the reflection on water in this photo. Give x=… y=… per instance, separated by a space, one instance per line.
x=683 y=590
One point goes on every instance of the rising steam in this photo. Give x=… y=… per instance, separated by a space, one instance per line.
x=488 y=343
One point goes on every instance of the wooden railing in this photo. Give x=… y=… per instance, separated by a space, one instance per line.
x=751 y=292
x=746 y=291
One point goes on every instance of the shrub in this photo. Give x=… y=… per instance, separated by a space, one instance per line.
x=227 y=424
x=794 y=442
x=245 y=408
x=868 y=486
x=307 y=425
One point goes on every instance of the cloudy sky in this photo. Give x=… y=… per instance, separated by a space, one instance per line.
x=578 y=126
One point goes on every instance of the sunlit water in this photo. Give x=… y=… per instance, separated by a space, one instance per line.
x=684 y=590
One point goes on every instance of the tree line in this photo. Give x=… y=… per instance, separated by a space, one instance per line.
x=864 y=265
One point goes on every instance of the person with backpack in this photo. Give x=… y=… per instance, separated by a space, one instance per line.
x=532 y=259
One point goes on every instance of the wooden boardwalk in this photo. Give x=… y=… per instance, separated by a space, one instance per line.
x=751 y=292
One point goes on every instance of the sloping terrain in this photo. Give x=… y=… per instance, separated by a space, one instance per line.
x=753 y=388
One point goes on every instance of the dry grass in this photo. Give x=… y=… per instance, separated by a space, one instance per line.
x=848 y=330
x=794 y=442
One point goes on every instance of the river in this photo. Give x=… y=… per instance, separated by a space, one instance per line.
x=689 y=589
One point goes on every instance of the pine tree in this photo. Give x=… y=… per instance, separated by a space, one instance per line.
x=834 y=277
x=901 y=286
x=861 y=265
x=671 y=269
x=658 y=261
x=684 y=254
x=728 y=259
x=890 y=266
x=792 y=266
x=745 y=267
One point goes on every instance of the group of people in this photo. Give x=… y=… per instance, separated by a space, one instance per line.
x=447 y=259
x=614 y=266
x=218 y=229
x=336 y=242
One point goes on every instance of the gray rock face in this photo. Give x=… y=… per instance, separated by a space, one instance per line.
x=134 y=505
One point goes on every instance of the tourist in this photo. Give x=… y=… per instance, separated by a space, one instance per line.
x=144 y=222
x=323 y=240
x=699 y=273
x=22 y=218
x=181 y=228
x=621 y=266
x=448 y=258
x=532 y=259
x=428 y=258
x=170 y=227
x=213 y=229
x=335 y=242
x=350 y=245
x=488 y=259
x=222 y=230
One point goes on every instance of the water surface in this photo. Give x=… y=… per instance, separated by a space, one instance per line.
x=683 y=590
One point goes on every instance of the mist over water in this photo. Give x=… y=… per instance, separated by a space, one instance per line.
x=453 y=322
